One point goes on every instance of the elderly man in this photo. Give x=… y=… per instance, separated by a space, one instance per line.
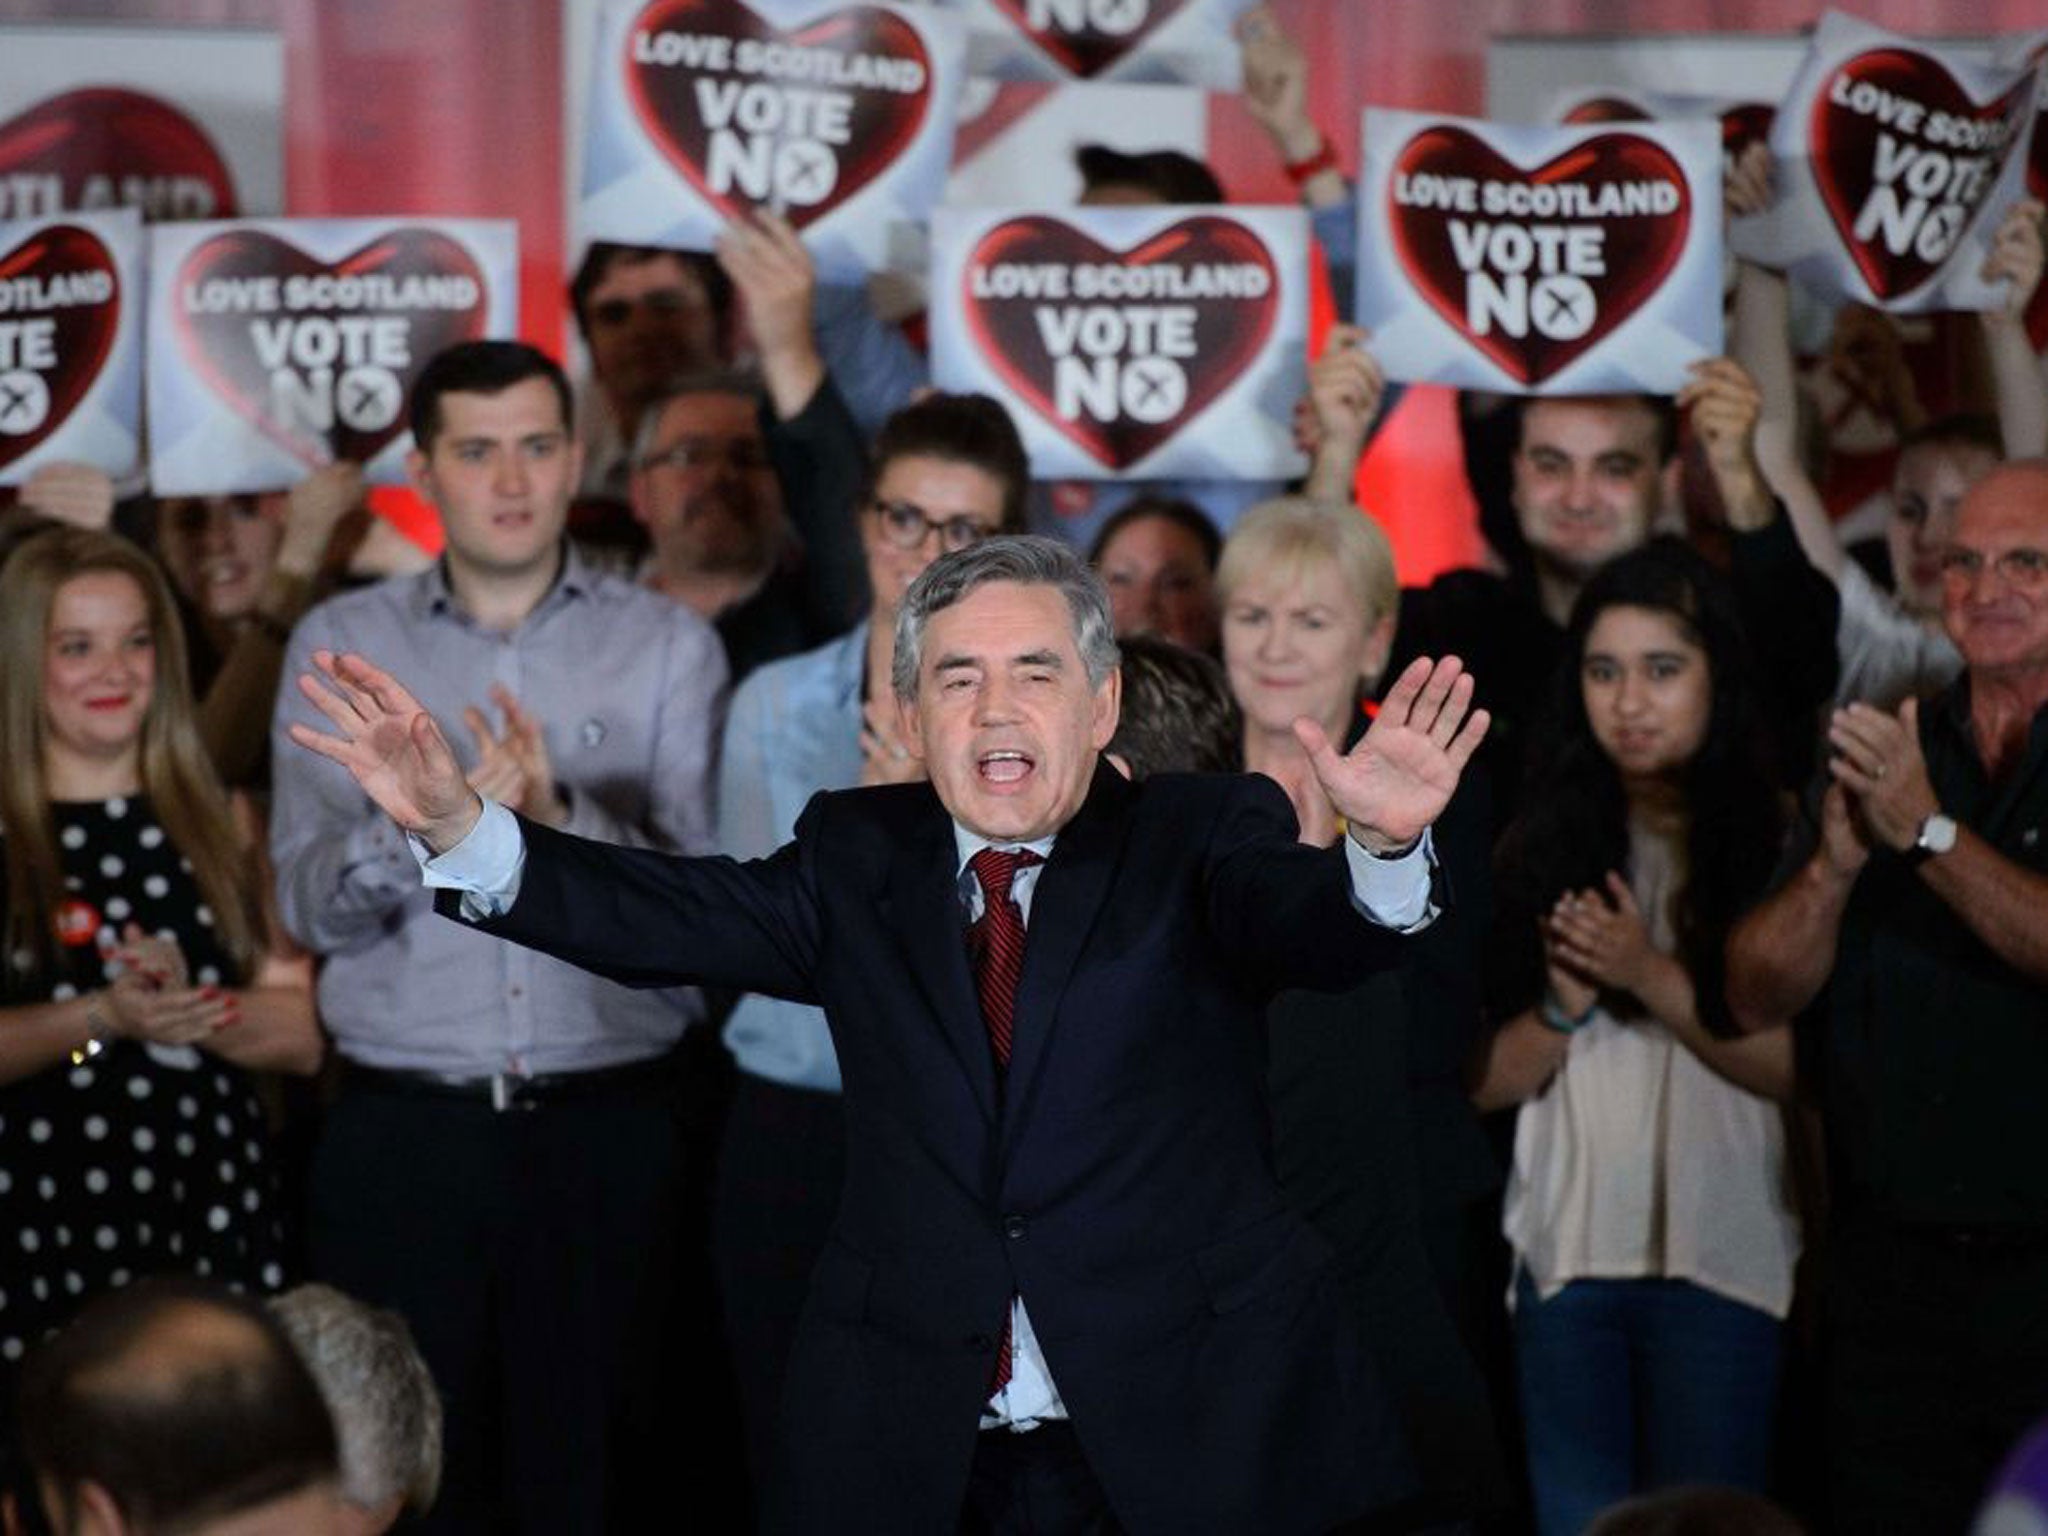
x=1062 y=1281
x=387 y=1415
x=1922 y=910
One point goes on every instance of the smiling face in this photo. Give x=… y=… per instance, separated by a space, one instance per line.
x=219 y=550
x=1648 y=690
x=1587 y=480
x=941 y=489
x=500 y=470
x=1931 y=482
x=1160 y=583
x=1995 y=598
x=1004 y=719
x=99 y=670
x=1298 y=641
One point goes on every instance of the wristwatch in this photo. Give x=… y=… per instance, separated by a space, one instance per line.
x=1937 y=835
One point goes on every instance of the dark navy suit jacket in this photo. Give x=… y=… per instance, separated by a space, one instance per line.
x=1118 y=1178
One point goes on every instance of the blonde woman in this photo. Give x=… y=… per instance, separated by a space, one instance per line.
x=1372 y=1138
x=139 y=988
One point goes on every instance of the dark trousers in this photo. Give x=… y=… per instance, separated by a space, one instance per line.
x=779 y=1173
x=534 y=1254
x=1034 y=1484
x=1937 y=1362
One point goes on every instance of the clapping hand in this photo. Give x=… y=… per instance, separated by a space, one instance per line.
x=1601 y=936
x=1400 y=776
x=513 y=767
x=392 y=747
x=1877 y=761
x=151 y=999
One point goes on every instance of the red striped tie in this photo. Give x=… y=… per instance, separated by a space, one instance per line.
x=996 y=940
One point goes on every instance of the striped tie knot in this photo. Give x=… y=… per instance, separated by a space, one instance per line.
x=996 y=868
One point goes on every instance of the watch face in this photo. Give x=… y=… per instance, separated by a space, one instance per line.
x=1937 y=834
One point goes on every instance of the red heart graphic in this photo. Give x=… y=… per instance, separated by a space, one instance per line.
x=82 y=338
x=221 y=343
x=1228 y=332
x=1638 y=250
x=123 y=136
x=808 y=178
x=1099 y=34
x=1844 y=147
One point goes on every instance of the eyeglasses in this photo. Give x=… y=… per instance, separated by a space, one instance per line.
x=2024 y=569
x=662 y=304
x=906 y=525
x=745 y=454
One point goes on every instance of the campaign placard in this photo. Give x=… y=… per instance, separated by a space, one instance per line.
x=1187 y=42
x=838 y=116
x=277 y=345
x=1130 y=342
x=180 y=123
x=1561 y=260
x=1895 y=159
x=70 y=342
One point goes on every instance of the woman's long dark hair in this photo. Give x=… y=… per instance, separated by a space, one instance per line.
x=1573 y=827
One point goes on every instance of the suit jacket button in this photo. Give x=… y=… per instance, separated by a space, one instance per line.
x=1014 y=1226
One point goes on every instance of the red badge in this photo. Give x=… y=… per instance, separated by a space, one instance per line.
x=78 y=923
x=322 y=357
x=1898 y=201
x=1106 y=356
x=53 y=343
x=1098 y=35
x=148 y=153
x=789 y=131
x=1637 y=250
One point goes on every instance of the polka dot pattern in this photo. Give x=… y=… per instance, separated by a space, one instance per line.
x=116 y=1170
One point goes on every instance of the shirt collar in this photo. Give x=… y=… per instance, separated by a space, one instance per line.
x=967 y=844
x=432 y=595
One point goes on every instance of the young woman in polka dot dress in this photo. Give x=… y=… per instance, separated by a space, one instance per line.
x=137 y=990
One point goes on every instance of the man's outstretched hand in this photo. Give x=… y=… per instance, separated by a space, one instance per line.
x=1400 y=776
x=392 y=746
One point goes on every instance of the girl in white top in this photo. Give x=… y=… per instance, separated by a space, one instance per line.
x=1653 y=1233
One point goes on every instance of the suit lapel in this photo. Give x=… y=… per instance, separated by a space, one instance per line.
x=921 y=906
x=1069 y=893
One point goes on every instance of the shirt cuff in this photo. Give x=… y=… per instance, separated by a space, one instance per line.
x=1395 y=893
x=485 y=866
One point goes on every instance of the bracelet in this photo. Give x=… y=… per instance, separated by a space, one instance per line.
x=95 y=1021
x=1553 y=1016
x=1300 y=172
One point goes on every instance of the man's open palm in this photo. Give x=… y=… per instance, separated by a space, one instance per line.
x=1400 y=776
x=391 y=745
